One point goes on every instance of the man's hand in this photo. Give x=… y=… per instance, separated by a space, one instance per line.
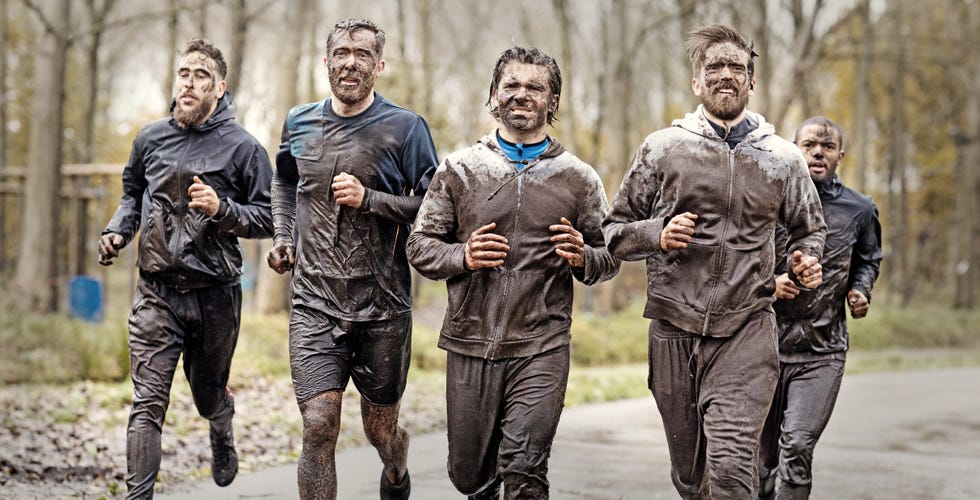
x=678 y=232
x=347 y=190
x=570 y=244
x=858 y=303
x=785 y=288
x=109 y=245
x=282 y=257
x=807 y=269
x=485 y=249
x=203 y=197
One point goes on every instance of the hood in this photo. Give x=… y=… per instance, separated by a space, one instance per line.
x=697 y=122
x=224 y=111
x=554 y=147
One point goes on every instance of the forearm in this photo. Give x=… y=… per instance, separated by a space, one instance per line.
x=401 y=209
x=283 y=209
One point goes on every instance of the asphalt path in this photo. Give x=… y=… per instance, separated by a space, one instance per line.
x=893 y=435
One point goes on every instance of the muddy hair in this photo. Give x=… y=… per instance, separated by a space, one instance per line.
x=821 y=121
x=700 y=39
x=207 y=48
x=527 y=55
x=350 y=26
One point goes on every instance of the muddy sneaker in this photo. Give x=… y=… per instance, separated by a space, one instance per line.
x=395 y=491
x=224 y=460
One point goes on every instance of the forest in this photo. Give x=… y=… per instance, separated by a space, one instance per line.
x=79 y=78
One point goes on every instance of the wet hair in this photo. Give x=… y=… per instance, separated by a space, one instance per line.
x=821 y=121
x=207 y=48
x=700 y=39
x=350 y=26
x=527 y=55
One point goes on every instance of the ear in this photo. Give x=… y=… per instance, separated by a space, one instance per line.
x=380 y=68
x=696 y=86
x=222 y=86
x=840 y=157
x=752 y=86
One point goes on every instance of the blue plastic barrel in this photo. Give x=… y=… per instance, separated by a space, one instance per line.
x=85 y=298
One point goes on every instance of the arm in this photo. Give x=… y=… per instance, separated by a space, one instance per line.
x=418 y=162
x=282 y=256
x=801 y=215
x=865 y=262
x=630 y=232
x=433 y=248
x=597 y=264
x=126 y=221
x=250 y=217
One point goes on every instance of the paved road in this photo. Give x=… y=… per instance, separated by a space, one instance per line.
x=913 y=434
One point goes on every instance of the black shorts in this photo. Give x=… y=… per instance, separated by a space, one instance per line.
x=325 y=352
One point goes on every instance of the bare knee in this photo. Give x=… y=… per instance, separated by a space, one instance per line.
x=321 y=418
x=381 y=424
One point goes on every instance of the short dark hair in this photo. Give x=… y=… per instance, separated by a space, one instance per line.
x=821 y=121
x=207 y=48
x=700 y=39
x=527 y=55
x=350 y=26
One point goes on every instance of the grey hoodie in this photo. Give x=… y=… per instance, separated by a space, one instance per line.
x=739 y=194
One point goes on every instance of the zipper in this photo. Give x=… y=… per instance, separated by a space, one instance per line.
x=180 y=209
x=724 y=239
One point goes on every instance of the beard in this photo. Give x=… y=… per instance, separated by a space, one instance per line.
x=196 y=115
x=347 y=94
x=725 y=107
x=523 y=122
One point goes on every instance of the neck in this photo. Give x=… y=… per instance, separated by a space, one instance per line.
x=522 y=137
x=344 y=109
x=726 y=124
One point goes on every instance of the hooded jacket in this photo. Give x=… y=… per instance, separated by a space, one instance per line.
x=524 y=306
x=739 y=194
x=814 y=324
x=180 y=246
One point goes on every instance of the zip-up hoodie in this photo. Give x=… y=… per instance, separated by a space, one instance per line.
x=184 y=247
x=739 y=194
x=523 y=307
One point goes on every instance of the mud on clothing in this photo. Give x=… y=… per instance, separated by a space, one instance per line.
x=813 y=337
x=188 y=297
x=507 y=328
x=350 y=262
x=713 y=356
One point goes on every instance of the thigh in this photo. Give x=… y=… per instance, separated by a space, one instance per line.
x=810 y=397
x=474 y=396
x=534 y=395
x=319 y=353
x=156 y=340
x=383 y=351
x=212 y=336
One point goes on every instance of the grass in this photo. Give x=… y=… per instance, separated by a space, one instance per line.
x=608 y=351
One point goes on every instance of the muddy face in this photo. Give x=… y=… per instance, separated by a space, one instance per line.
x=353 y=65
x=523 y=97
x=821 y=148
x=197 y=89
x=723 y=83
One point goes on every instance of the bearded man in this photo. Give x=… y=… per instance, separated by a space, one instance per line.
x=350 y=175
x=194 y=184
x=700 y=203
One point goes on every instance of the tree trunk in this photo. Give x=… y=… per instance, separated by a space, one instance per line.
x=859 y=142
x=966 y=226
x=173 y=23
x=239 y=36
x=272 y=289
x=35 y=283
x=3 y=88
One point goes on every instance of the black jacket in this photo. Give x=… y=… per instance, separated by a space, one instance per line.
x=814 y=323
x=184 y=247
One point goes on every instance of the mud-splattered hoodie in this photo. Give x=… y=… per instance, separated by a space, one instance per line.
x=523 y=307
x=184 y=247
x=739 y=194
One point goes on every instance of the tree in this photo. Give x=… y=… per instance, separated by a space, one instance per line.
x=35 y=282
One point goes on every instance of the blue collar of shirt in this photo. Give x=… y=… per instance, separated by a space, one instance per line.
x=521 y=154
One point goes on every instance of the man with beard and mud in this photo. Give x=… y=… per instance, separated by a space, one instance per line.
x=700 y=203
x=194 y=184
x=350 y=175
x=813 y=336
x=508 y=223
